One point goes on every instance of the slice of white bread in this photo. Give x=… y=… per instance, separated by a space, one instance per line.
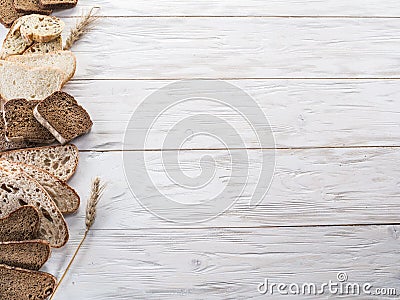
x=63 y=60
x=31 y=255
x=14 y=43
x=60 y=161
x=20 y=225
x=21 y=284
x=39 y=28
x=65 y=197
x=48 y=47
x=18 y=189
x=18 y=81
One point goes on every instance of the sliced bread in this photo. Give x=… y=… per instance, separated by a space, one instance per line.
x=20 y=225
x=48 y=47
x=39 y=28
x=18 y=189
x=60 y=161
x=61 y=114
x=58 y=4
x=21 y=284
x=63 y=60
x=21 y=125
x=6 y=145
x=14 y=43
x=30 y=7
x=18 y=81
x=65 y=197
x=8 y=13
x=31 y=255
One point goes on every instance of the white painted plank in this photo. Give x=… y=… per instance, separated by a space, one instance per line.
x=310 y=187
x=239 y=8
x=226 y=263
x=302 y=113
x=169 y=48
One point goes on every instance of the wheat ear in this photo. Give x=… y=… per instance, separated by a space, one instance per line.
x=91 y=208
x=82 y=26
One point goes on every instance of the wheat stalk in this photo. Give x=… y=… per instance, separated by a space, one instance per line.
x=81 y=27
x=91 y=208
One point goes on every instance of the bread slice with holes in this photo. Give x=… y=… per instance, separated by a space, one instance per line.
x=60 y=161
x=8 y=13
x=14 y=43
x=61 y=114
x=18 y=189
x=63 y=60
x=20 y=225
x=30 y=7
x=6 y=145
x=48 y=47
x=31 y=255
x=18 y=81
x=21 y=124
x=58 y=4
x=65 y=197
x=21 y=284
x=39 y=28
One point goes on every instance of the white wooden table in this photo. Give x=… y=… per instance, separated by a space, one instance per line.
x=326 y=75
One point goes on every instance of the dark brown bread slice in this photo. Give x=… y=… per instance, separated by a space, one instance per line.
x=21 y=124
x=30 y=7
x=8 y=13
x=31 y=255
x=20 y=225
x=65 y=197
x=60 y=161
x=20 y=284
x=4 y=144
x=58 y=4
x=61 y=114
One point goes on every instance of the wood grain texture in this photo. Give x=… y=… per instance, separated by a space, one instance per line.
x=227 y=263
x=170 y=48
x=310 y=187
x=302 y=113
x=365 y=8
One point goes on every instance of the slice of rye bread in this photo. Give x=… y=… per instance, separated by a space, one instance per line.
x=8 y=13
x=65 y=197
x=18 y=189
x=18 y=81
x=4 y=144
x=61 y=114
x=20 y=225
x=58 y=4
x=21 y=124
x=30 y=7
x=21 y=284
x=31 y=255
x=48 y=47
x=63 y=60
x=14 y=43
x=39 y=28
x=59 y=161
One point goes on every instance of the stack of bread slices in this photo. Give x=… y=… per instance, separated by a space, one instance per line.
x=34 y=194
x=33 y=70
x=34 y=199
